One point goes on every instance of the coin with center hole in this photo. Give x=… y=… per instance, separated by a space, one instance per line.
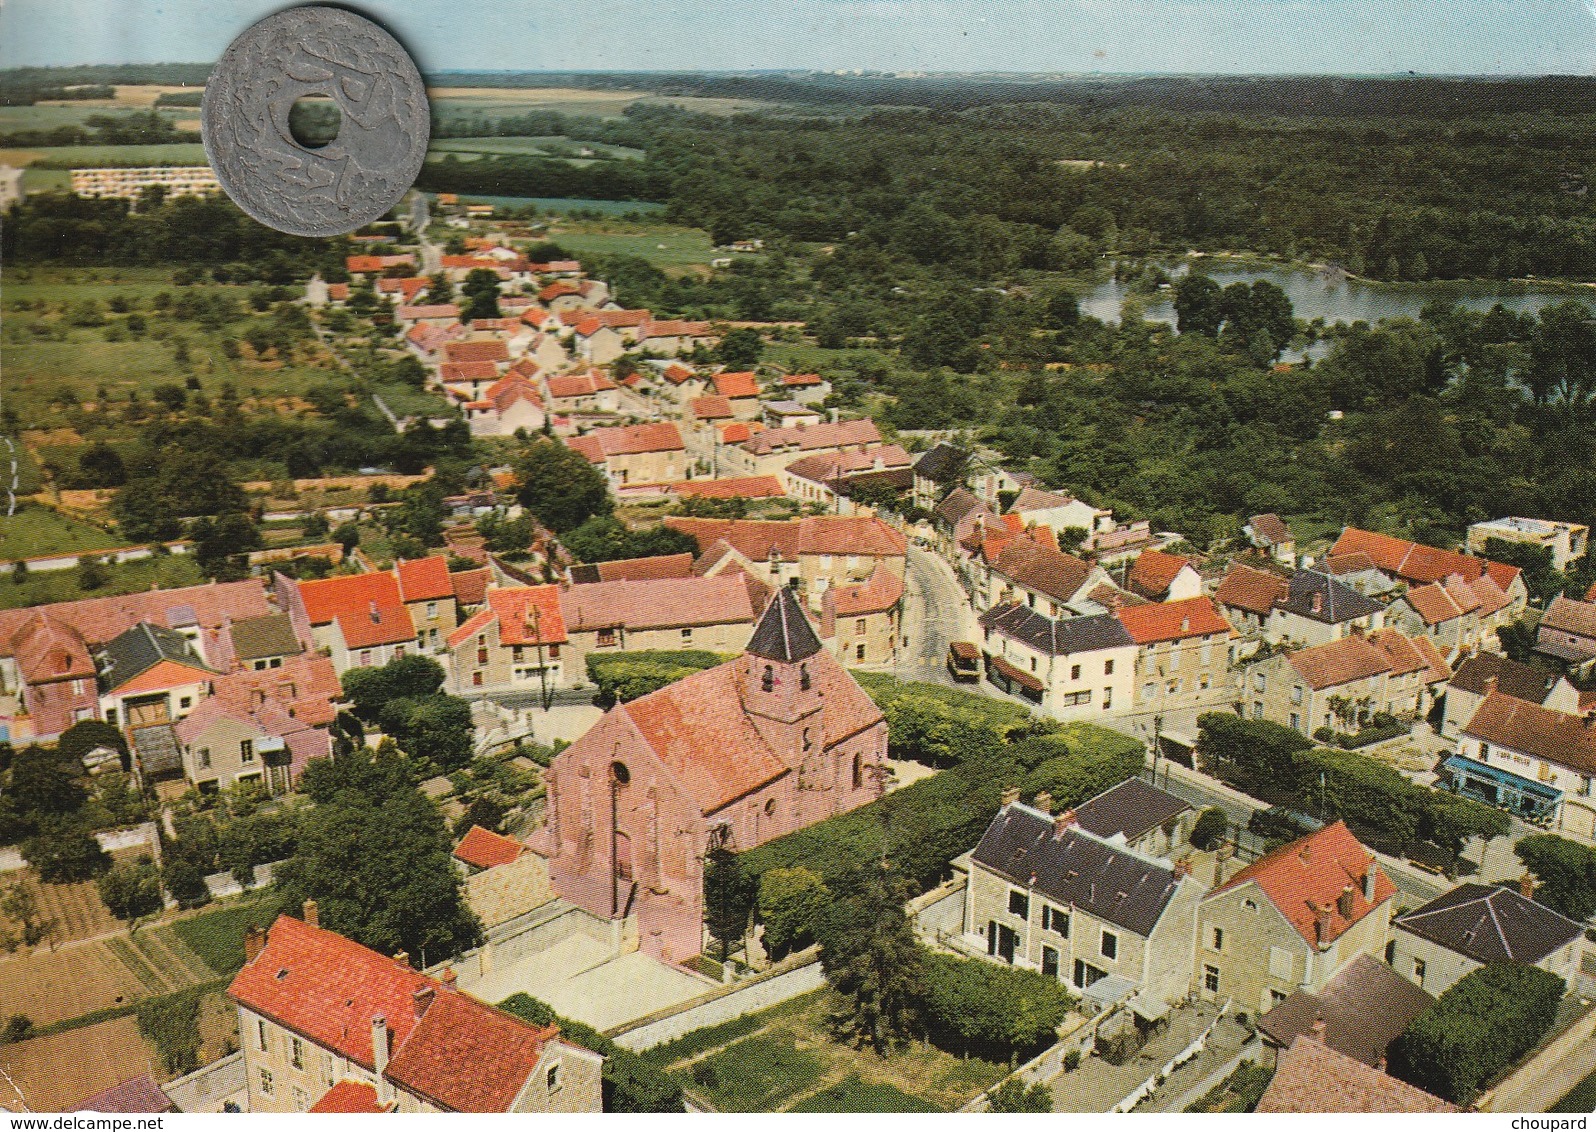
x=315 y=52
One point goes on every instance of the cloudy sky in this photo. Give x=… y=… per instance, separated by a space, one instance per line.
x=1245 y=36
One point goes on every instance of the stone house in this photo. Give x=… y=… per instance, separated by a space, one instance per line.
x=1532 y=760
x=1158 y=576
x=326 y=1025
x=937 y=471
x=359 y=620
x=636 y=614
x=517 y=640
x=1290 y=920
x=1343 y=684
x=225 y=744
x=635 y=454
x=1060 y=513
x=1033 y=572
x=767 y=452
x=1480 y=675
x=1567 y=632
x=1362 y=1009
x=1146 y=819
x=1568 y=542
x=1416 y=565
x=860 y=621
x=771 y=742
x=1459 y=616
x=1183 y=654
x=503 y=878
x=1437 y=943
x=1046 y=894
x=150 y=675
x=814 y=553
x=1075 y=668
x=428 y=593
x=1270 y=534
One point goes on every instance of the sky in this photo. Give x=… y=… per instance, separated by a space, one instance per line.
x=1070 y=36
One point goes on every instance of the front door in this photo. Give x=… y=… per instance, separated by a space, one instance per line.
x=1050 y=962
x=147 y=712
x=1000 y=941
x=1086 y=974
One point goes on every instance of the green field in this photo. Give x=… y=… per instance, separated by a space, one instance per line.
x=35 y=531
x=406 y=401
x=46 y=181
x=164 y=572
x=788 y=1059
x=218 y=937
x=665 y=246
x=452 y=103
x=13 y=118
x=532 y=147
x=566 y=204
x=83 y=156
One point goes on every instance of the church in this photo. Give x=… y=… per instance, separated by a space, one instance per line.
x=771 y=742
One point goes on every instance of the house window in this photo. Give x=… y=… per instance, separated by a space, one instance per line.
x=398 y=650
x=203 y=758
x=296 y=1053
x=1296 y=693
x=858 y=771
x=365 y=658
x=476 y=679
x=110 y=716
x=1296 y=722
x=260 y=1034
x=858 y=652
x=1276 y=997
x=1033 y=664
x=1055 y=920
x=1075 y=672
x=1257 y=709
x=185 y=702
x=1258 y=681
x=1217 y=940
x=482 y=656
x=859 y=627
x=246 y=750
x=266 y=1082
x=551 y=1079
x=1019 y=903
x=606 y=638
x=554 y=652
x=1108 y=698
x=1108 y=668
x=1149 y=690
x=432 y=611
x=1210 y=978
x=1418 y=971
x=807 y=741
x=687 y=636
x=1249 y=905
x=301 y=1099
x=327 y=1068
x=1109 y=945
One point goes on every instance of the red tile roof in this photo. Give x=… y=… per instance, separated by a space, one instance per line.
x=1173 y=620
x=484 y=849
x=406 y=285
x=1154 y=572
x=1312 y=1078
x=468 y=1057
x=47 y=648
x=558 y=290
x=1566 y=615
x=876 y=594
x=429 y=310
x=424 y=579
x=365 y=264
x=1567 y=740
x=658 y=603
x=819 y=534
x=1414 y=562
x=799 y=380
x=367 y=607
x=350 y=1096
x=740 y=384
x=480 y=350
x=1254 y=591
x=677 y=373
x=1339 y=662
x=711 y=408
x=627 y=440
x=471 y=586
x=742 y=487
x=806 y=438
x=99 y=619
x=646 y=569
x=1271 y=529
x=1307 y=878
x=526 y=615
x=579 y=384
x=468 y=371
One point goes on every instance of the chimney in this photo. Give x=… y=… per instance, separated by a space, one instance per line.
x=448 y=977
x=1183 y=867
x=1368 y=883
x=1344 y=902
x=402 y=958
x=312 y=914
x=421 y=998
x=254 y=943
x=1185 y=624
x=1011 y=794
x=1491 y=683
x=379 y=1057
x=376 y=618
x=1044 y=801
x=1316 y=1031
x=1526 y=886
x=1062 y=822
x=1318 y=601
x=1321 y=924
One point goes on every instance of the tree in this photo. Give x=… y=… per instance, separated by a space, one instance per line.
x=1566 y=871
x=1197 y=305
x=375 y=855
x=728 y=899
x=93 y=573
x=486 y=811
x=481 y=293
x=131 y=889
x=559 y=486
x=740 y=349
x=369 y=690
x=421 y=513
x=439 y=289
x=347 y=535
x=101 y=466
x=1013 y=1096
x=185 y=880
x=982 y=1007
x=870 y=956
x=1210 y=828
x=174 y=484
x=45 y=782
x=85 y=736
x=436 y=727
x=63 y=852
x=791 y=903
x=20 y=905
x=604 y=538
x=222 y=545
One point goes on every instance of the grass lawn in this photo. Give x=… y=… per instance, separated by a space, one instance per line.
x=530 y=147
x=218 y=937
x=663 y=245
x=35 y=531
x=787 y=1059
x=162 y=572
x=567 y=204
x=86 y=156
x=46 y=181
x=406 y=401
x=1237 y=1093
x=1581 y=1098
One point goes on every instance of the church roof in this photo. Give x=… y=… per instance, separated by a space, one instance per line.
x=784 y=633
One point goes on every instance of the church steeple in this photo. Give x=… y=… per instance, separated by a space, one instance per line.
x=784 y=634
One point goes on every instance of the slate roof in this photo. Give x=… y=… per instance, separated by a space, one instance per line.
x=133 y=653
x=1521 y=681
x=956 y=505
x=942 y=463
x=1064 y=637
x=784 y=633
x=155 y=748
x=1077 y=869
x=1310 y=1077
x=1491 y=924
x=1312 y=872
x=1132 y=809
x=1567 y=740
x=1364 y=1008
x=1338 y=602
x=256 y=638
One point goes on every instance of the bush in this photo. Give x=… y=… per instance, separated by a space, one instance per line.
x=1013 y=1096
x=18 y=1028
x=624 y=676
x=631 y=1084
x=1483 y=1024
x=1566 y=871
x=186 y=883
x=1210 y=828
x=132 y=889
x=790 y=904
x=1072 y=1061
x=171 y=1023
x=985 y=1008
x=65 y=854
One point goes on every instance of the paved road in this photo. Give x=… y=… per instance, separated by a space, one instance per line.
x=936 y=612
